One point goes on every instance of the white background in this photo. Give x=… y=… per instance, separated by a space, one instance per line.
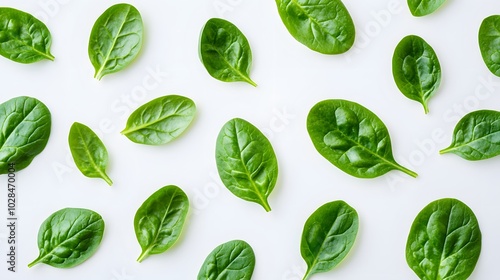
x=291 y=80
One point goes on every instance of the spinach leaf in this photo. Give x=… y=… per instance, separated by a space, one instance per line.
x=25 y=124
x=246 y=162
x=225 y=52
x=88 y=151
x=421 y=8
x=328 y=236
x=476 y=136
x=324 y=26
x=416 y=69
x=352 y=138
x=444 y=241
x=116 y=39
x=23 y=38
x=232 y=260
x=69 y=237
x=161 y=120
x=489 y=43
x=159 y=221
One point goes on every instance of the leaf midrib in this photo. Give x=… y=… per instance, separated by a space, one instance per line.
x=46 y=55
x=87 y=151
x=155 y=240
x=148 y=124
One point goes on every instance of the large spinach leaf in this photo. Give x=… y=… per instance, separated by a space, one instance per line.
x=23 y=38
x=159 y=221
x=232 y=260
x=324 y=26
x=161 y=120
x=421 y=8
x=116 y=39
x=476 y=136
x=225 y=52
x=416 y=69
x=69 y=237
x=352 y=138
x=88 y=151
x=246 y=162
x=444 y=241
x=489 y=43
x=25 y=124
x=328 y=236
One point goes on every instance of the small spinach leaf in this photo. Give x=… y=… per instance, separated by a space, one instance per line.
x=444 y=241
x=328 y=236
x=476 y=136
x=159 y=221
x=88 y=151
x=69 y=237
x=246 y=162
x=161 y=120
x=225 y=52
x=324 y=26
x=232 y=260
x=416 y=69
x=489 y=43
x=25 y=124
x=116 y=39
x=23 y=38
x=421 y=8
x=352 y=138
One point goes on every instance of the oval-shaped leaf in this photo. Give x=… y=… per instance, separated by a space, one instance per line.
x=246 y=162
x=352 y=138
x=328 y=236
x=421 y=8
x=225 y=52
x=23 y=38
x=116 y=39
x=159 y=221
x=416 y=69
x=476 y=136
x=161 y=120
x=88 y=151
x=324 y=26
x=69 y=237
x=232 y=260
x=444 y=241
x=25 y=124
x=489 y=43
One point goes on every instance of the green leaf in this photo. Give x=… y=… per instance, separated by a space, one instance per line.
x=159 y=221
x=23 y=38
x=69 y=237
x=324 y=26
x=88 y=151
x=116 y=39
x=328 y=236
x=444 y=241
x=416 y=69
x=246 y=162
x=225 y=52
x=25 y=124
x=161 y=120
x=489 y=43
x=232 y=260
x=421 y=8
x=352 y=138
x=476 y=136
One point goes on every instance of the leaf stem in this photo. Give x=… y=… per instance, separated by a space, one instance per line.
x=266 y=205
x=248 y=80
x=144 y=254
x=35 y=261
x=426 y=107
x=406 y=170
x=106 y=178
x=308 y=273
x=447 y=150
